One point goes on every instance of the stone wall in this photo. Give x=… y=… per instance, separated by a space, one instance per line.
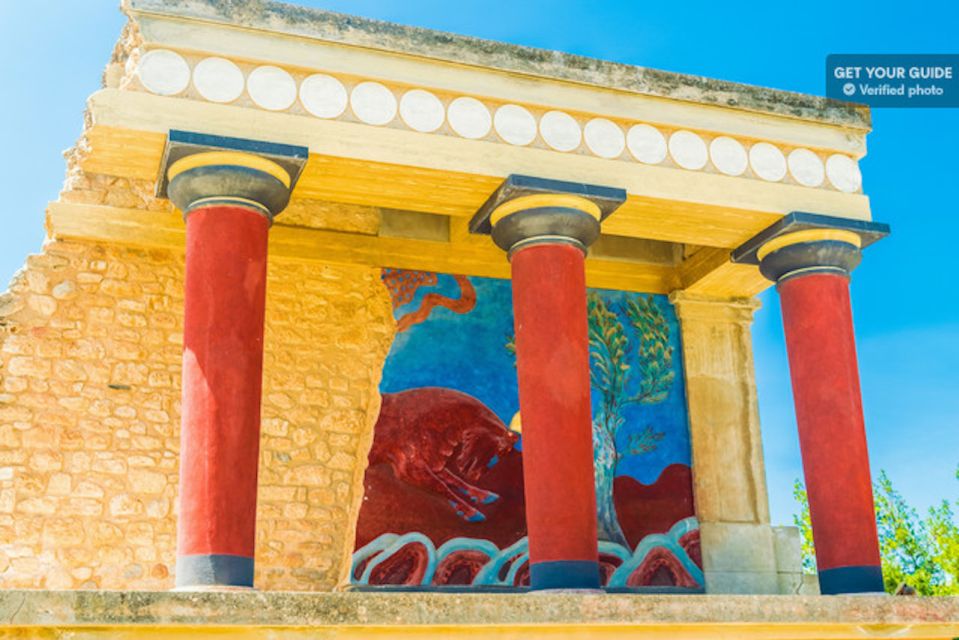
x=89 y=415
x=742 y=553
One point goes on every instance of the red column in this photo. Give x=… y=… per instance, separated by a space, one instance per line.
x=825 y=378
x=546 y=227
x=226 y=250
x=229 y=190
x=552 y=359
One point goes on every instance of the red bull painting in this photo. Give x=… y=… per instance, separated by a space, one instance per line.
x=443 y=505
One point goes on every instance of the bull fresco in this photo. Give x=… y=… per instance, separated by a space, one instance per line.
x=443 y=504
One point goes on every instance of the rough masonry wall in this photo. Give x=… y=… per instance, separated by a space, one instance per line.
x=89 y=416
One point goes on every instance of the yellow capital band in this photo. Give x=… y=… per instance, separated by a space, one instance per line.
x=809 y=235
x=545 y=200
x=235 y=158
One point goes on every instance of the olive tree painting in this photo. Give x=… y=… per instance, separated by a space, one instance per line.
x=620 y=381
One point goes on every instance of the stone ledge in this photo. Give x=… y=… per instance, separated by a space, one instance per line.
x=278 y=17
x=449 y=614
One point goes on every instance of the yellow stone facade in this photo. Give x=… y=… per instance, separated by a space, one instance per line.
x=89 y=412
x=91 y=342
x=91 y=329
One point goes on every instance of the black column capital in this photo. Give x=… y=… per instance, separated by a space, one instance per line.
x=199 y=170
x=526 y=210
x=804 y=243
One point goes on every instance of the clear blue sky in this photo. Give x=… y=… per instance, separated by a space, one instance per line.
x=904 y=294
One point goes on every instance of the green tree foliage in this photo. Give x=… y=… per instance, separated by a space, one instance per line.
x=609 y=370
x=611 y=375
x=802 y=522
x=655 y=354
x=922 y=552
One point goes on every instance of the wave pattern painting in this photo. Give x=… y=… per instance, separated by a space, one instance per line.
x=412 y=560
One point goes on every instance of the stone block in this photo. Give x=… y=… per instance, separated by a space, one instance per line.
x=28 y=367
x=810 y=585
x=147 y=482
x=738 y=547
x=788 y=545
x=790 y=583
x=742 y=582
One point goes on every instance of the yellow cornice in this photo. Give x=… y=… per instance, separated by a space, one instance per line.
x=475 y=256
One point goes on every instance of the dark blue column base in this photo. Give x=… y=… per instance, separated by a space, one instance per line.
x=864 y=579
x=214 y=570
x=564 y=574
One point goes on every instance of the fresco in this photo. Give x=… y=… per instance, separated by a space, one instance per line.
x=443 y=503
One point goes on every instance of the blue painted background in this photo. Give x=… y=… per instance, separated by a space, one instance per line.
x=468 y=352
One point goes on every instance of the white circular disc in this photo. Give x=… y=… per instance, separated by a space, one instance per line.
x=324 y=96
x=560 y=130
x=218 y=80
x=469 y=117
x=728 y=155
x=646 y=143
x=843 y=173
x=806 y=167
x=421 y=110
x=373 y=103
x=271 y=88
x=164 y=72
x=767 y=161
x=688 y=150
x=515 y=125
x=604 y=138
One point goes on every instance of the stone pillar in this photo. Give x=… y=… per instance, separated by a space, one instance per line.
x=546 y=227
x=811 y=262
x=729 y=480
x=228 y=196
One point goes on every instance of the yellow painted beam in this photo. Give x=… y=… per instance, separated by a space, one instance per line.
x=687 y=222
x=137 y=154
x=476 y=256
x=710 y=272
x=412 y=188
x=442 y=174
x=459 y=229
x=127 y=153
